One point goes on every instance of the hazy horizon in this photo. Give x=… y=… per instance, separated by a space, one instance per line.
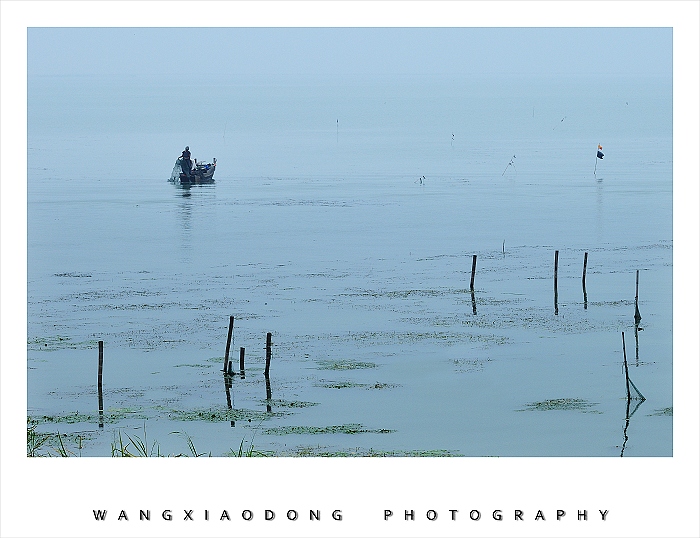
x=313 y=51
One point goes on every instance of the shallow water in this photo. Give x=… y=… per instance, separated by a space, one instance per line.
x=319 y=230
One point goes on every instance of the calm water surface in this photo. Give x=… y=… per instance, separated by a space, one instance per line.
x=320 y=230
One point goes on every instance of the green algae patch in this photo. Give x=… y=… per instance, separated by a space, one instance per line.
x=561 y=404
x=346 y=429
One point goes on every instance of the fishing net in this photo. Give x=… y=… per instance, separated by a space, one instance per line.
x=177 y=170
x=635 y=389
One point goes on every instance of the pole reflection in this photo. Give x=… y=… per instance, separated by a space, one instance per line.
x=228 y=385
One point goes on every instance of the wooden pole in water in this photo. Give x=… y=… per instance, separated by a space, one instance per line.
x=637 y=315
x=556 y=293
x=268 y=354
x=228 y=343
x=471 y=285
x=627 y=373
x=100 y=360
x=241 y=360
x=583 y=280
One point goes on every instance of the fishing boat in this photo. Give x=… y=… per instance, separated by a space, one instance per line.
x=202 y=173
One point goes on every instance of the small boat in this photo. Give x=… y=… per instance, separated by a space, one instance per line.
x=202 y=173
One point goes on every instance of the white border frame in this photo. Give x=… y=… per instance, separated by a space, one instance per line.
x=644 y=496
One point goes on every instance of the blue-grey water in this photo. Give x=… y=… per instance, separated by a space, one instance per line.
x=343 y=220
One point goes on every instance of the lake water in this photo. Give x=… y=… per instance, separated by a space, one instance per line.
x=343 y=220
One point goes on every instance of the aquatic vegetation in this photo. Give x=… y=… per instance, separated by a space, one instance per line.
x=110 y=416
x=351 y=384
x=40 y=444
x=36 y=441
x=52 y=343
x=410 y=337
x=290 y=404
x=665 y=412
x=561 y=404
x=249 y=452
x=138 y=447
x=348 y=429
x=340 y=385
x=380 y=386
x=358 y=452
x=469 y=365
x=405 y=294
x=345 y=364
x=218 y=415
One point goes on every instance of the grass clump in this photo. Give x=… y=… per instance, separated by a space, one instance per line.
x=137 y=447
x=41 y=444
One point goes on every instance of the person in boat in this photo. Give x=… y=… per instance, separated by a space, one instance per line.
x=186 y=162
